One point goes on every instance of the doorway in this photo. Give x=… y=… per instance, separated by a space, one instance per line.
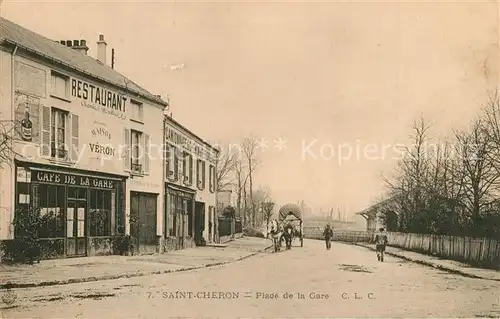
x=76 y=234
x=143 y=221
x=199 y=222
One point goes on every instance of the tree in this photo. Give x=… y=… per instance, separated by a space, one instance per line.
x=225 y=163
x=406 y=189
x=7 y=152
x=241 y=181
x=268 y=211
x=249 y=148
x=480 y=174
x=260 y=196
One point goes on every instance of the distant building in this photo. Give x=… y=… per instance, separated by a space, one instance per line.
x=226 y=197
x=374 y=216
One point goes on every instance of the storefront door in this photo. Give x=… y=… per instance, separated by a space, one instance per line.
x=143 y=221
x=199 y=221
x=76 y=240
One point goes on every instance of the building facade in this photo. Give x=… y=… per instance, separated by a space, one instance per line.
x=189 y=183
x=87 y=147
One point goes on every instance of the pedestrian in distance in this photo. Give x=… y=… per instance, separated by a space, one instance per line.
x=380 y=244
x=328 y=234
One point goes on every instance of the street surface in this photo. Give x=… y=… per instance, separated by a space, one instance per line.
x=347 y=281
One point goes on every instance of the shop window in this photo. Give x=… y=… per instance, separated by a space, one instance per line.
x=173 y=216
x=77 y=192
x=177 y=215
x=100 y=211
x=50 y=199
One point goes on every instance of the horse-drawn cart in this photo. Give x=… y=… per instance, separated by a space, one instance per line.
x=290 y=217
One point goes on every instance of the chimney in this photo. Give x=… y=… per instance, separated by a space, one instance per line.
x=77 y=45
x=101 y=49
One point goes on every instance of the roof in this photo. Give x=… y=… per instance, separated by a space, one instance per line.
x=373 y=209
x=17 y=35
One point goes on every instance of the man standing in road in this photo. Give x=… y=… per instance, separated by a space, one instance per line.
x=328 y=234
x=381 y=243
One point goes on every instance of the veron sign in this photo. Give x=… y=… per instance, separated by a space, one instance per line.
x=99 y=98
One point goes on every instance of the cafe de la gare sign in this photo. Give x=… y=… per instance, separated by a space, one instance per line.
x=99 y=98
x=71 y=179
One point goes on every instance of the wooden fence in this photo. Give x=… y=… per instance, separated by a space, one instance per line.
x=482 y=252
x=339 y=235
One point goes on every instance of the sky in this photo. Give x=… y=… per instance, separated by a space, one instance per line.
x=316 y=75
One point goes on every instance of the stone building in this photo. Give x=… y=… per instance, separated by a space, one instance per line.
x=88 y=150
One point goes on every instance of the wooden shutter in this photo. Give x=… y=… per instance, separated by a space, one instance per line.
x=126 y=149
x=203 y=176
x=190 y=168
x=146 y=154
x=46 y=124
x=176 y=163
x=75 y=151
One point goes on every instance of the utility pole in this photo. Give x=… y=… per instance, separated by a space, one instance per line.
x=112 y=58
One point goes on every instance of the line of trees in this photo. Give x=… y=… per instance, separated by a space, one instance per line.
x=451 y=186
x=236 y=167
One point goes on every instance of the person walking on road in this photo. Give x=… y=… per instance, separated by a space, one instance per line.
x=381 y=243
x=328 y=234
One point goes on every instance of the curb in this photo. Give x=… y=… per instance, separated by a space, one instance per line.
x=430 y=264
x=9 y=285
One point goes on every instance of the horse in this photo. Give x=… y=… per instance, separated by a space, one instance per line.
x=276 y=235
x=288 y=235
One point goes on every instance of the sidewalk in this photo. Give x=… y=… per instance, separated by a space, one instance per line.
x=85 y=269
x=444 y=264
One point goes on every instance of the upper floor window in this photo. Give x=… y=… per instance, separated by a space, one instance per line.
x=201 y=174
x=58 y=133
x=187 y=168
x=137 y=111
x=211 y=177
x=136 y=165
x=59 y=85
x=137 y=152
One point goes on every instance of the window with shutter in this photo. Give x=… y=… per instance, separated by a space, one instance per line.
x=46 y=125
x=146 y=153
x=176 y=163
x=137 y=142
x=211 y=174
x=75 y=151
x=203 y=176
x=59 y=135
x=126 y=150
x=190 y=169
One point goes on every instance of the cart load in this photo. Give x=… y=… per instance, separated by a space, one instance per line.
x=290 y=214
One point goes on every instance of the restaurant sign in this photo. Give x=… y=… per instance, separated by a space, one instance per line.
x=71 y=179
x=99 y=98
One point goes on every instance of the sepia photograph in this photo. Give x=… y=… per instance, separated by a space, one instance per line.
x=249 y=159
